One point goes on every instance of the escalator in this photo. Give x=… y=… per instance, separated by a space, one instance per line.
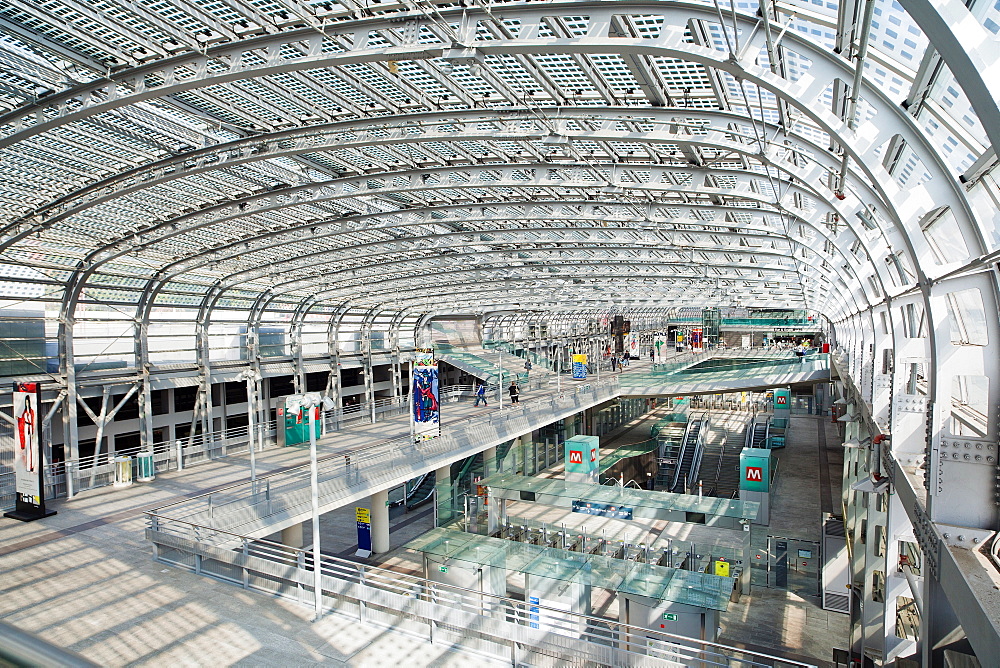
x=422 y=491
x=670 y=438
x=691 y=452
x=757 y=433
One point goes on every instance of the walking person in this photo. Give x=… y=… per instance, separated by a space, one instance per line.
x=515 y=392
x=625 y=360
x=527 y=366
x=481 y=396
x=614 y=362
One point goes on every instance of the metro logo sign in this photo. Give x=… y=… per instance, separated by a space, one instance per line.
x=575 y=456
x=755 y=474
x=781 y=400
x=593 y=454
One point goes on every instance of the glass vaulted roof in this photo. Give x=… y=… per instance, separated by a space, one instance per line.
x=188 y=156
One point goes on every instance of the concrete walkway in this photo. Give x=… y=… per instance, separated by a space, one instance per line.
x=85 y=580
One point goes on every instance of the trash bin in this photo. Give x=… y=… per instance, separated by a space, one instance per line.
x=123 y=471
x=145 y=468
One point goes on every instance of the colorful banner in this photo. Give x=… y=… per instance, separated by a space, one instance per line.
x=580 y=367
x=631 y=343
x=426 y=397
x=29 y=479
x=660 y=349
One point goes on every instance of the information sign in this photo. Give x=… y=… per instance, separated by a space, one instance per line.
x=602 y=509
x=364 y=518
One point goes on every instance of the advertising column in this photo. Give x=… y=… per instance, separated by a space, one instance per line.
x=426 y=398
x=583 y=459
x=29 y=478
x=579 y=367
x=659 y=349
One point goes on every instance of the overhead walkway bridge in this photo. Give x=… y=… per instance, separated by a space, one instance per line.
x=730 y=374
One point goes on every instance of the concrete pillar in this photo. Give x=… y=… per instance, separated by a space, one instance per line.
x=380 y=521
x=490 y=461
x=292 y=536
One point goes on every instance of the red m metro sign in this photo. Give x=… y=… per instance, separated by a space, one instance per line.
x=576 y=456
x=755 y=474
x=781 y=400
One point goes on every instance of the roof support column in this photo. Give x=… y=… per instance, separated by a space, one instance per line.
x=333 y=381
x=67 y=375
x=366 y=361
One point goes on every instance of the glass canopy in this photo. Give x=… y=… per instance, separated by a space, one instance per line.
x=658 y=582
x=624 y=496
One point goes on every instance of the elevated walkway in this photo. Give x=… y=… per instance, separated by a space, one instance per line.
x=352 y=473
x=712 y=374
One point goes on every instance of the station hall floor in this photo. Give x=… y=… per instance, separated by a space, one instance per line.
x=84 y=579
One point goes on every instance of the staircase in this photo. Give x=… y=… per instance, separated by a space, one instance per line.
x=487 y=365
x=728 y=481
x=473 y=364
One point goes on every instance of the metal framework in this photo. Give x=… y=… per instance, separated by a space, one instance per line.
x=184 y=180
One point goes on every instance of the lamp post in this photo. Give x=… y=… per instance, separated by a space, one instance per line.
x=310 y=402
x=252 y=377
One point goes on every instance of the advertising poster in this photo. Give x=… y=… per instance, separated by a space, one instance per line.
x=29 y=481
x=631 y=343
x=426 y=397
x=660 y=349
x=579 y=367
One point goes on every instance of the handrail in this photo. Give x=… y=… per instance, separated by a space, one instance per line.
x=598 y=636
x=20 y=648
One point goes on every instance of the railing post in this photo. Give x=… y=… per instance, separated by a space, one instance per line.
x=246 y=561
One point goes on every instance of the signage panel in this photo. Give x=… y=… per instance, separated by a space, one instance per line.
x=29 y=462
x=580 y=367
x=602 y=509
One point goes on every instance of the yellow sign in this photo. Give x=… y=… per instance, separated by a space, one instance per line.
x=363 y=515
x=722 y=568
x=579 y=359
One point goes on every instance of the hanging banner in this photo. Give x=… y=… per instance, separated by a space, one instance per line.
x=426 y=398
x=659 y=349
x=579 y=367
x=29 y=478
x=631 y=344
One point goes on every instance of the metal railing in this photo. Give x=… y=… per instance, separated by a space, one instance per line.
x=365 y=469
x=474 y=621
x=98 y=470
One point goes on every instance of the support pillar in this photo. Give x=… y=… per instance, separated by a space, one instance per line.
x=380 y=521
x=292 y=536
